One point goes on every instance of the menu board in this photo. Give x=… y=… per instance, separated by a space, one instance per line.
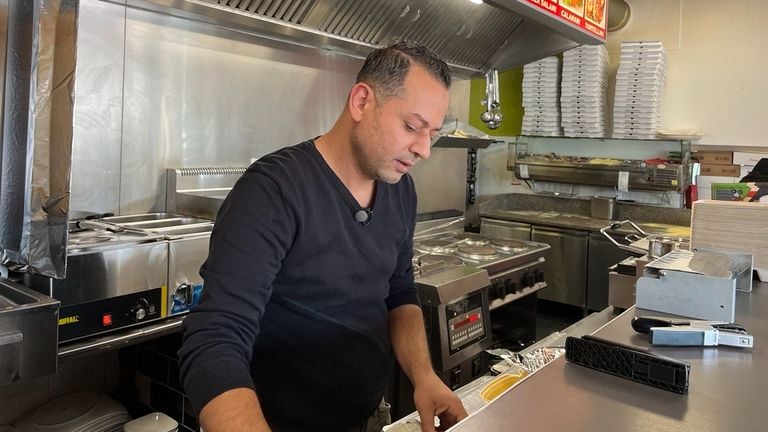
x=589 y=15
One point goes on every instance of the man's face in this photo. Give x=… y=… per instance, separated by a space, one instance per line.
x=395 y=133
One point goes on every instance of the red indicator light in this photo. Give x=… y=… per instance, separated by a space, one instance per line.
x=106 y=319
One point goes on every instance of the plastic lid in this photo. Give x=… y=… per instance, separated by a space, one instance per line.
x=153 y=422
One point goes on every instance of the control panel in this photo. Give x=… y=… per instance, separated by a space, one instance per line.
x=88 y=319
x=516 y=283
x=466 y=323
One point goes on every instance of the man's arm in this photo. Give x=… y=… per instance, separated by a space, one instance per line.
x=431 y=396
x=234 y=410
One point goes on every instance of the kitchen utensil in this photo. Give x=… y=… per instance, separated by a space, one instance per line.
x=654 y=246
x=77 y=216
x=487 y=116
x=492 y=115
x=665 y=331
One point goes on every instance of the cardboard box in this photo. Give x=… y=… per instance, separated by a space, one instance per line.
x=714 y=157
x=704 y=184
x=730 y=191
x=720 y=170
x=745 y=158
x=745 y=169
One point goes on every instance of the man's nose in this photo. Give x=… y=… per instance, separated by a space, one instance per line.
x=422 y=146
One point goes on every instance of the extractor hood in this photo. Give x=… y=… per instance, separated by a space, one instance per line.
x=471 y=37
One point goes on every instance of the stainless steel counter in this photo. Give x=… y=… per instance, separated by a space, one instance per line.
x=581 y=222
x=727 y=388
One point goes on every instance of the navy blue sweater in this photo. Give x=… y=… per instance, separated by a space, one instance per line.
x=297 y=294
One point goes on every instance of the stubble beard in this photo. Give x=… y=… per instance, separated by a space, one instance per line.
x=367 y=161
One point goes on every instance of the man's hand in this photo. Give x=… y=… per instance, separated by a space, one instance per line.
x=431 y=397
x=434 y=399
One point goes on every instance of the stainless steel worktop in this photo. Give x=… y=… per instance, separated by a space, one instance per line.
x=579 y=222
x=727 y=388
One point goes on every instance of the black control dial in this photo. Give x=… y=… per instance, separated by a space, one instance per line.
x=140 y=310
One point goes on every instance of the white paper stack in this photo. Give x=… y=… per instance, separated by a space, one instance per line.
x=541 y=112
x=584 y=92
x=639 y=93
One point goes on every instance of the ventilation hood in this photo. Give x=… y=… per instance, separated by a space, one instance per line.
x=471 y=37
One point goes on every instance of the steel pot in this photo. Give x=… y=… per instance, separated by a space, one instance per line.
x=659 y=246
x=602 y=207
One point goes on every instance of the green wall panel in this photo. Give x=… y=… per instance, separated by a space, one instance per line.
x=511 y=95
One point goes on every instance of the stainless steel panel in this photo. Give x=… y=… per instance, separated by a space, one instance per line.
x=186 y=255
x=198 y=95
x=441 y=180
x=199 y=191
x=727 y=391
x=470 y=37
x=602 y=254
x=566 y=266
x=98 y=112
x=505 y=229
x=28 y=333
x=101 y=274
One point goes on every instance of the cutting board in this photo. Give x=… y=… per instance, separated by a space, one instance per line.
x=732 y=226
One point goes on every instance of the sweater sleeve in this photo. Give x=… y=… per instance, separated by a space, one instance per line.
x=402 y=289
x=251 y=237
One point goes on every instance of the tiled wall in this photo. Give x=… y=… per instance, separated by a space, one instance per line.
x=150 y=381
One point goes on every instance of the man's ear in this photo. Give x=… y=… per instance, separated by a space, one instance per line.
x=360 y=97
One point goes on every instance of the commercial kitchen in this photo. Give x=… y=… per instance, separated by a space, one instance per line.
x=557 y=214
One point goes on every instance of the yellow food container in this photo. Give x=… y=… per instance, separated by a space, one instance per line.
x=498 y=385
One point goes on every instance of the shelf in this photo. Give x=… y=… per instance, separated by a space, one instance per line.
x=616 y=140
x=567 y=160
x=457 y=134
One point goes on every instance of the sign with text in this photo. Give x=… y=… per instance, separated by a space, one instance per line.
x=589 y=15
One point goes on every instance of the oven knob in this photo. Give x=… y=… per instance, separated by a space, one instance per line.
x=530 y=279
x=539 y=275
x=509 y=287
x=139 y=311
x=497 y=290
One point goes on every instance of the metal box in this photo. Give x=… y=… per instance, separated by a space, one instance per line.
x=695 y=284
x=28 y=333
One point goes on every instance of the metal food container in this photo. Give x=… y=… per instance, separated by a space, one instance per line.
x=28 y=333
x=602 y=207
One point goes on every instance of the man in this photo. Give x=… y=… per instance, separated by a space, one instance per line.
x=308 y=283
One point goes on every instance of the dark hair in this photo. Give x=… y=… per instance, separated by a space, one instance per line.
x=385 y=68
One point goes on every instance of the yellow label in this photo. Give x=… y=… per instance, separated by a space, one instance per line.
x=164 y=301
x=69 y=320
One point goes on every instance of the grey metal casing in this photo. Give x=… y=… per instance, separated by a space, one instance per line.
x=441 y=289
x=505 y=229
x=108 y=272
x=566 y=265
x=688 y=294
x=29 y=332
x=697 y=284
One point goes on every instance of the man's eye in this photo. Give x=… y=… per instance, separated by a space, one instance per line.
x=409 y=128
